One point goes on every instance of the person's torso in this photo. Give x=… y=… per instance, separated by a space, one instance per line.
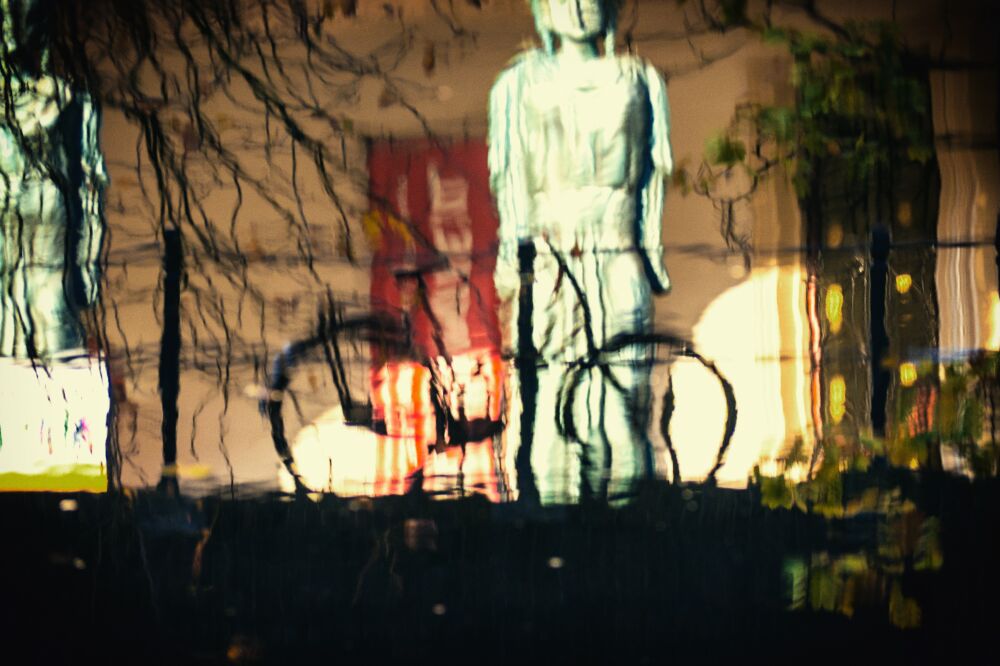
x=34 y=128
x=586 y=143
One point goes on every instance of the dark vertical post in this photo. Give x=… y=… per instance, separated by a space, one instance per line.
x=526 y=364
x=880 y=244
x=170 y=350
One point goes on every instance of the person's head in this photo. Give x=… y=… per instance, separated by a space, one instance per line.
x=576 y=20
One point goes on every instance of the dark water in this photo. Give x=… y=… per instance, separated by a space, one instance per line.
x=699 y=574
x=257 y=402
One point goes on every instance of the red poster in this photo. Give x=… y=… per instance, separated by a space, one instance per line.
x=434 y=229
x=437 y=401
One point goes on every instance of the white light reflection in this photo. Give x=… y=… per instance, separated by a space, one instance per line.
x=740 y=331
x=53 y=425
x=355 y=460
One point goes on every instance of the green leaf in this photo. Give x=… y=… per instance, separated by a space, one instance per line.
x=723 y=149
x=777 y=122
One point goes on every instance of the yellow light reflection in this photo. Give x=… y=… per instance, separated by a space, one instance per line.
x=838 y=399
x=993 y=344
x=834 y=307
x=907 y=374
x=903 y=282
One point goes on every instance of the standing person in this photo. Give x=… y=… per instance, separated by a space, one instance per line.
x=53 y=397
x=52 y=176
x=579 y=151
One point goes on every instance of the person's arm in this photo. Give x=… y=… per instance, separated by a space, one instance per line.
x=661 y=165
x=95 y=178
x=506 y=164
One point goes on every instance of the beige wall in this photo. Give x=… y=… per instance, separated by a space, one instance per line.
x=752 y=322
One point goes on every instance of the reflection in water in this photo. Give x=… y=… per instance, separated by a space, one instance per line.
x=753 y=363
x=861 y=361
x=53 y=425
x=870 y=579
x=54 y=404
x=579 y=152
x=857 y=333
x=423 y=434
x=53 y=177
x=579 y=434
x=597 y=424
x=846 y=342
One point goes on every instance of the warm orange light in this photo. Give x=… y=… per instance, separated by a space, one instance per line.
x=471 y=389
x=815 y=354
x=838 y=399
x=903 y=282
x=993 y=343
x=835 y=307
x=401 y=400
x=907 y=374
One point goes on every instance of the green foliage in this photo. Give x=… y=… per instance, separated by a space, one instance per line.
x=725 y=150
x=957 y=403
x=775 y=492
x=777 y=123
x=968 y=394
x=841 y=581
x=858 y=99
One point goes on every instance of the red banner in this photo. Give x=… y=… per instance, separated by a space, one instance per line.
x=434 y=228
